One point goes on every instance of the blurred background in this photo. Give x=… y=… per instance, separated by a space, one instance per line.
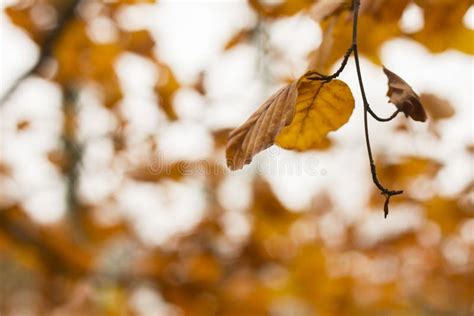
x=114 y=194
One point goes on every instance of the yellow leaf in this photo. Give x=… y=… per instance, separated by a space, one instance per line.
x=320 y=108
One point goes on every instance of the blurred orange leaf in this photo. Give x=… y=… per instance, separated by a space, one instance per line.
x=443 y=26
x=409 y=168
x=436 y=107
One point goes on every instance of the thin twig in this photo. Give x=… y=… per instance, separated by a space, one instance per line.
x=378 y=118
x=46 y=48
x=386 y=192
x=367 y=110
x=318 y=76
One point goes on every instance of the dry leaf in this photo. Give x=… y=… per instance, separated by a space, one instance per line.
x=404 y=98
x=260 y=130
x=320 y=108
x=436 y=107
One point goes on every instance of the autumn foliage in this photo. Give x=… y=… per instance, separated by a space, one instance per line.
x=256 y=255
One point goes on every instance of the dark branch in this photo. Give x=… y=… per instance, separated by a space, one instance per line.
x=378 y=118
x=318 y=76
x=386 y=192
x=47 y=47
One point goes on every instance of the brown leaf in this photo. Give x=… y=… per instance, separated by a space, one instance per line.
x=260 y=130
x=404 y=98
x=444 y=27
x=436 y=107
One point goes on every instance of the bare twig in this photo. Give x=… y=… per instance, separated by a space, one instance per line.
x=318 y=76
x=386 y=192
x=367 y=110
x=378 y=118
x=47 y=47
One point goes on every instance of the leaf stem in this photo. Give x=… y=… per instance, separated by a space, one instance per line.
x=386 y=192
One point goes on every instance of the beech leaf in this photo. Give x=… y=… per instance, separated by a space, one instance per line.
x=320 y=108
x=405 y=99
x=298 y=117
x=260 y=130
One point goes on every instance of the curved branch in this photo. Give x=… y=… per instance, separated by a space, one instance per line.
x=378 y=118
x=318 y=76
x=383 y=190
